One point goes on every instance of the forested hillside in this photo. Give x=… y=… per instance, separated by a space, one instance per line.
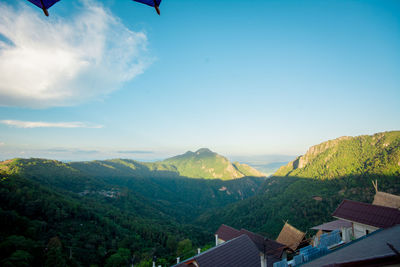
x=340 y=168
x=366 y=154
x=113 y=212
x=303 y=202
x=104 y=212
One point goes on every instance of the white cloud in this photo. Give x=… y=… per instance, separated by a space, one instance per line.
x=41 y=124
x=53 y=61
x=2 y=143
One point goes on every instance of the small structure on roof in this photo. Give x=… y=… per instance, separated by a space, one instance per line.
x=366 y=218
x=385 y=199
x=291 y=237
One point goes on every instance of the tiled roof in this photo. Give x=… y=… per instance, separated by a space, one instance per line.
x=371 y=246
x=268 y=246
x=226 y=232
x=290 y=236
x=238 y=252
x=334 y=225
x=271 y=247
x=373 y=215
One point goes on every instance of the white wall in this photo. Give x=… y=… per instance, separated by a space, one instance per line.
x=361 y=229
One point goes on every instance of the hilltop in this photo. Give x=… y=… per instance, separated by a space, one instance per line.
x=207 y=164
x=365 y=154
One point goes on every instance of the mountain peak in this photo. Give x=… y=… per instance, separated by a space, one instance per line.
x=203 y=151
x=207 y=164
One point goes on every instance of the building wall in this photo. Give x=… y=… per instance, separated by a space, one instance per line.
x=361 y=229
x=347 y=233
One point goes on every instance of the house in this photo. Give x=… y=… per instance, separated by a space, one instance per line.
x=345 y=228
x=237 y=252
x=366 y=218
x=380 y=248
x=270 y=249
x=291 y=237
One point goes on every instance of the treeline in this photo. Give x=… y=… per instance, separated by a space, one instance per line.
x=55 y=215
x=303 y=202
x=42 y=227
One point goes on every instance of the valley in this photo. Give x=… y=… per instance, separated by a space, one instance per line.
x=96 y=212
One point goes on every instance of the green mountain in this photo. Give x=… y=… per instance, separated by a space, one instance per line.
x=85 y=213
x=366 y=154
x=105 y=212
x=209 y=165
x=341 y=168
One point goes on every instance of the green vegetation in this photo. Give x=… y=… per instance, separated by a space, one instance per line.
x=295 y=199
x=375 y=154
x=104 y=212
x=340 y=168
x=206 y=164
x=115 y=212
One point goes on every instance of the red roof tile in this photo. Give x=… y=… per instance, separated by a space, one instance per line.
x=227 y=233
x=271 y=247
x=378 y=216
x=237 y=252
x=268 y=246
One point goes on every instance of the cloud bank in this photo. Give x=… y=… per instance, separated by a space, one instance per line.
x=47 y=62
x=41 y=124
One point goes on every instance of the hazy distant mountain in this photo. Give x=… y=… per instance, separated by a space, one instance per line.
x=365 y=154
x=267 y=164
x=207 y=164
x=269 y=168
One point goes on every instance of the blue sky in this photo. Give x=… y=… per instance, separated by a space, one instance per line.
x=243 y=78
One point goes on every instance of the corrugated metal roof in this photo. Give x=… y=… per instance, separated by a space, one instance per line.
x=373 y=215
x=334 y=225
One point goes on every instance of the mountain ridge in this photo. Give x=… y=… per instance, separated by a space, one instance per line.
x=375 y=154
x=202 y=163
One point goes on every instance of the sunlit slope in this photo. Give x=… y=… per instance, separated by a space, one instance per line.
x=365 y=154
x=209 y=165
